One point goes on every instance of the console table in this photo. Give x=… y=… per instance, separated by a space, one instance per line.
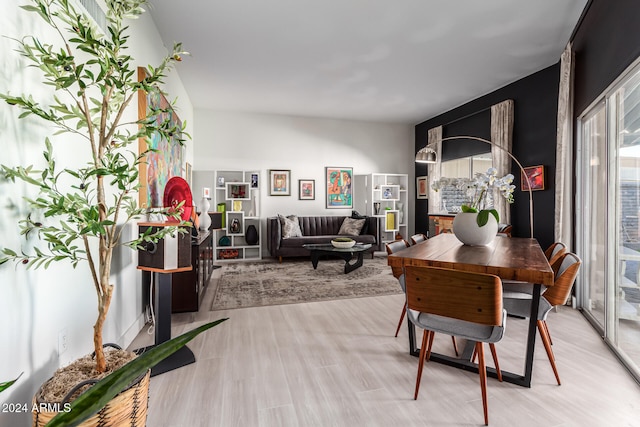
x=189 y=286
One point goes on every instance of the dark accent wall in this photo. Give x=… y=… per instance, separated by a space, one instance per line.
x=534 y=142
x=606 y=42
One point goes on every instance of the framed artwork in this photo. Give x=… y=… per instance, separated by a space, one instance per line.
x=279 y=182
x=255 y=180
x=306 y=189
x=535 y=176
x=339 y=189
x=163 y=158
x=422 y=187
x=206 y=192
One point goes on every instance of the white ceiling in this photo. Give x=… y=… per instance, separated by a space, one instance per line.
x=376 y=60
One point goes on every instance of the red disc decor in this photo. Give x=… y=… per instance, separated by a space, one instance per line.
x=176 y=191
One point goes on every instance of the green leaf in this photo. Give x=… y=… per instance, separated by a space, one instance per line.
x=495 y=215
x=483 y=218
x=107 y=388
x=468 y=209
x=6 y=385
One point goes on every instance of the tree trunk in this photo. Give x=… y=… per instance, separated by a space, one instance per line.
x=103 y=308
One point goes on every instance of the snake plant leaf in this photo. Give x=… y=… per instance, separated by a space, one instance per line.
x=6 y=385
x=95 y=398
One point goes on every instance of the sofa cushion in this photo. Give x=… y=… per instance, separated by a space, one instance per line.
x=365 y=227
x=351 y=227
x=290 y=226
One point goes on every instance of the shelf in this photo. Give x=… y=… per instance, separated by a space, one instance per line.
x=238 y=191
x=370 y=191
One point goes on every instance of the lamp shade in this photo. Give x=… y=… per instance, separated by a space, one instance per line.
x=426 y=155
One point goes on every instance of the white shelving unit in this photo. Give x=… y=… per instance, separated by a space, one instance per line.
x=236 y=193
x=384 y=195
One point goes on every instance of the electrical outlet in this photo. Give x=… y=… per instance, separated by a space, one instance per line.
x=62 y=341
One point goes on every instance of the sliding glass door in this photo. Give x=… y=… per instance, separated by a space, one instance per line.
x=608 y=207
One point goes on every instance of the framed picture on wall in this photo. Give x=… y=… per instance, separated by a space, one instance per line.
x=535 y=176
x=279 y=182
x=339 y=189
x=255 y=183
x=422 y=187
x=306 y=189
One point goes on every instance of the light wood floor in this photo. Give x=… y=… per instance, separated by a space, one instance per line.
x=337 y=363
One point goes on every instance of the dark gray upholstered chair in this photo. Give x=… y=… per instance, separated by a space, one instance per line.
x=518 y=303
x=417 y=238
x=460 y=303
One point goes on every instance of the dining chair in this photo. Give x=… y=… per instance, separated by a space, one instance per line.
x=394 y=247
x=505 y=230
x=553 y=254
x=460 y=303
x=398 y=273
x=519 y=303
x=417 y=238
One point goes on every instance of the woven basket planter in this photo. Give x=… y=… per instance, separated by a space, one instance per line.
x=127 y=409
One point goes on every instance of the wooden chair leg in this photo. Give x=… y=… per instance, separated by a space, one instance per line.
x=404 y=311
x=431 y=336
x=494 y=354
x=423 y=351
x=455 y=346
x=474 y=355
x=546 y=328
x=547 y=347
x=482 y=370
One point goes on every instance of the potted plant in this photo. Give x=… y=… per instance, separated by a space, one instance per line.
x=84 y=210
x=477 y=222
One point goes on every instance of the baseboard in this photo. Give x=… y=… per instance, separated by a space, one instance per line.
x=127 y=338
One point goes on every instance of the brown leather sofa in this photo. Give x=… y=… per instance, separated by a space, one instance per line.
x=315 y=229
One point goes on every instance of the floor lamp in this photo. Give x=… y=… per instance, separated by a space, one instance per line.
x=428 y=155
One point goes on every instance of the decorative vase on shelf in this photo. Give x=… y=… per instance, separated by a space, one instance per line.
x=376 y=207
x=400 y=207
x=237 y=205
x=205 y=219
x=467 y=230
x=251 y=235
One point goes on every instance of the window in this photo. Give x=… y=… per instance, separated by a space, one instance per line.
x=608 y=207
x=459 y=171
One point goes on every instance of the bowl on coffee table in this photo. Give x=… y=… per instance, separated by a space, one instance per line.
x=343 y=242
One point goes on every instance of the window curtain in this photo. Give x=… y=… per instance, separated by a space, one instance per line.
x=502 y=136
x=434 y=141
x=563 y=224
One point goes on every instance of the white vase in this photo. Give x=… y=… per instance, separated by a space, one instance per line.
x=400 y=207
x=466 y=229
x=205 y=219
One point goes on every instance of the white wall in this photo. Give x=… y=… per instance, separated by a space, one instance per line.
x=232 y=140
x=36 y=305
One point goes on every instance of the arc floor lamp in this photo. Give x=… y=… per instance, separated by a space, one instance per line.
x=428 y=155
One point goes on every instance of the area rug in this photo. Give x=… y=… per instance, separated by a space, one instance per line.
x=295 y=281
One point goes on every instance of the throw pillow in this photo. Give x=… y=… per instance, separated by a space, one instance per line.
x=351 y=227
x=365 y=227
x=290 y=226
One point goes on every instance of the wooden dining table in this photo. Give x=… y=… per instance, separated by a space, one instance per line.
x=510 y=258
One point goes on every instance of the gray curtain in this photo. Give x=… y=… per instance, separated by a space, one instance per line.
x=434 y=141
x=502 y=136
x=563 y=221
